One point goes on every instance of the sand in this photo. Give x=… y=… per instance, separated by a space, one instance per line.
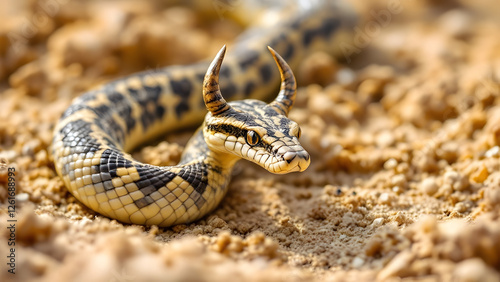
x=403 y=130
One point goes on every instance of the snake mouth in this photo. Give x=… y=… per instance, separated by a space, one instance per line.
x=291 y=161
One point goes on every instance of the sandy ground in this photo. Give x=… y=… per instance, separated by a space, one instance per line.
x=404 y=133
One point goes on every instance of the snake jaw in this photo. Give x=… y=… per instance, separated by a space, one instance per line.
x=290 y=157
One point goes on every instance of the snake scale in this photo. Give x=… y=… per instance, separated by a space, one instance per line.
x=93 y=135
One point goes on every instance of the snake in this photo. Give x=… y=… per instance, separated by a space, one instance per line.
x=93 y=138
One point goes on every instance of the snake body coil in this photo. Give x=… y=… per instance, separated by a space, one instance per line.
x=94 y=133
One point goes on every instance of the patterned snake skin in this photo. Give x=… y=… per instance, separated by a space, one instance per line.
x=95 y=132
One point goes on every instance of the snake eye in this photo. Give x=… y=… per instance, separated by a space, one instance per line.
x=299 y=133
x=252 y=138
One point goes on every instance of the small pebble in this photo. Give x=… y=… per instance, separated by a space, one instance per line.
x=480 y=175
x=378 y=221
x=384 y=198
x=357 y=262
x=493 y=152
x=460 y=207
x=457 y=181
x=346 y=76
x=22 y=197
x=385 y=139
x=398 y=180
x=450 y=177
x=390 y=164
x=492 y=196
x=429 y=186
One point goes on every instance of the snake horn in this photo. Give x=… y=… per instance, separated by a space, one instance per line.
x=212 y=96
x=286 y=97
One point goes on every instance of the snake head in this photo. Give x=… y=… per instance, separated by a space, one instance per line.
x=251 y=129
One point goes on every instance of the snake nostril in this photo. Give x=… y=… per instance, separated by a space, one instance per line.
x=304 y=155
